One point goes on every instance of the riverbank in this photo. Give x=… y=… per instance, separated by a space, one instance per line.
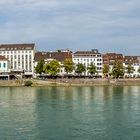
x=86 y=82
x=71 y=82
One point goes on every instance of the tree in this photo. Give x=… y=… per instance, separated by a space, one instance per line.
x=40 y=67
x=92 y=69
x=80 y=68
x=139 y=70
x=52 y=68
x=105 y=69
x=129 y=69
x=118 y=69
x=68 y=66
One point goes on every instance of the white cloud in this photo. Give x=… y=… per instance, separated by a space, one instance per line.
x=74 y=22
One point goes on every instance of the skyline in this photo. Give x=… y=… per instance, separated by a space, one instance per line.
x=109 y=26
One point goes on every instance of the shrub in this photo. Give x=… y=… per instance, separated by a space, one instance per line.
x=28 y=83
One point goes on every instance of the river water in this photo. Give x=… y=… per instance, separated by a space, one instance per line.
x=70 y=113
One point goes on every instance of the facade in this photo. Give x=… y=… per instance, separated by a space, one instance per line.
x=134 y=61
x=111 y=58
x=60 y=56
x=4 y=64
x=88 y=57
x=20 y=57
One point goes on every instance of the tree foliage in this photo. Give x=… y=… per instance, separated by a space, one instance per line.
x=92 y=69
x=105 y=69
x=68 y=66
x=40 y=67
x=129 y=69
x=80 y=68
x=118 y=70
x=52 y=68
x=139 y=70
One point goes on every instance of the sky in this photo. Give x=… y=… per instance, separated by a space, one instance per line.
x=107 y=25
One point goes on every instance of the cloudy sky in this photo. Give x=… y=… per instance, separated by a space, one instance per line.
x=108 y=25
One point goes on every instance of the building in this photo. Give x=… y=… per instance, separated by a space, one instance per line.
x=88 y=57
x=60 y=56
x=4 y=64
x=111 y=58
x=4 y=68
x=134 y=61
x=20 y=57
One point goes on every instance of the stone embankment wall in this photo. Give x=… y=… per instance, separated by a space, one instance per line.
x=88 y=82
x=72 y=82
x=9 y=83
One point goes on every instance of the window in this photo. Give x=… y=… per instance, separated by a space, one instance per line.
x=4 y=65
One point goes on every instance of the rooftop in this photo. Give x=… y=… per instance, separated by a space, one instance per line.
x=59 y=55
x=9 y=47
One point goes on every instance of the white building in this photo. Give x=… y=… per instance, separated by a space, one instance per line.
x=4 y=65
x=88 y=57
x=20 y=57
x=134 y=61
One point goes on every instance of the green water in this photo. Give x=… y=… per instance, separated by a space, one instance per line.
x=70 y=113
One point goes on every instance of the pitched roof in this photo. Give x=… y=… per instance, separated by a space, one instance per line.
x=131 y=59
x=9 y=47
x=110 y=58
x=87 y=53
x=60 y=56
x=2 y=58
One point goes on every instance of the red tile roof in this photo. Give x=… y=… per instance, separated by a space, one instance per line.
x=110 y=58
x=131 y=59
x=60 y=56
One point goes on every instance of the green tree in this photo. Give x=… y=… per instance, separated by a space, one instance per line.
x=52 y=68
x=105 y=70
x=80 y=68
x=139 y=70
x=68 y=66
x=129 y=69
x=92 y=69
x=40 y=67
x=118 y=70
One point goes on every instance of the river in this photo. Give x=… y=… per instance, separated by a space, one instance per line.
x=70 y=113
